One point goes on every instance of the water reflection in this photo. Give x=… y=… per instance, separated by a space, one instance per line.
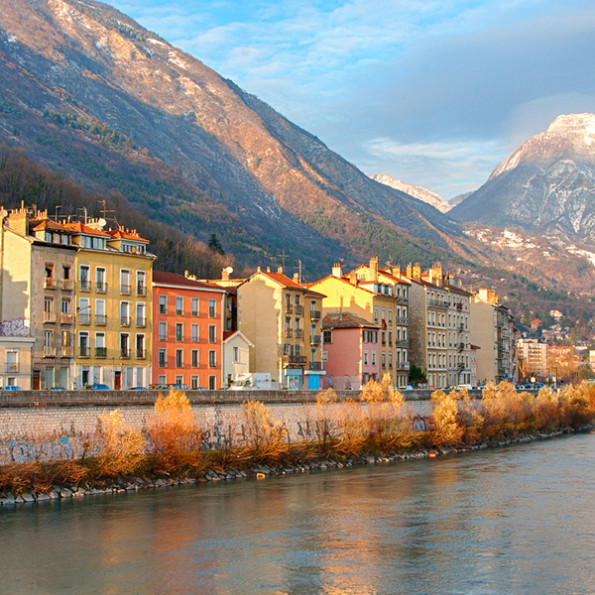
x=513 y=520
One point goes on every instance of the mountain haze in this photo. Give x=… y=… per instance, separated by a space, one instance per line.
x=88 y=92
x=546 y=186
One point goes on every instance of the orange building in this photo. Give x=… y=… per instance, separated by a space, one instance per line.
x=187 y=332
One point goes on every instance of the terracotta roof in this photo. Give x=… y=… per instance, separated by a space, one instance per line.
x=175 y=279
x=39 y=224
x=345 y=320
x=79 y=227
x=283 y=280
x=458 y=290
x=126 y=234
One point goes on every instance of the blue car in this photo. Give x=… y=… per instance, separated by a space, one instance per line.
x=98 y=387
x=11 y=387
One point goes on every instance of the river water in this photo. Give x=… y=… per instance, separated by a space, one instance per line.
x=513 y=520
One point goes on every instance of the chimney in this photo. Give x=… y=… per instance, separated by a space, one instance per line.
x=436 y=275
x=296 y=278
x=225 y=274
x=396 y=271
x=18 y=220
x=373 y=272
x=414 y=271
x=268 y=269
x=258 y=269
x=280 y=270
x=353 y=278
x=337 y=270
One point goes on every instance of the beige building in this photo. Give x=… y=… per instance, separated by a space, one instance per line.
x=492 y=329
x=283 y=320
x=532 y=357
x=37 y=296
x=236 y=358
x=15 y=361
x=460 y=367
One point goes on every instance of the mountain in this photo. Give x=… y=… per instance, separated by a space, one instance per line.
x=416 y=191
x=89 y=93
x=459 y=198
x=546 y=186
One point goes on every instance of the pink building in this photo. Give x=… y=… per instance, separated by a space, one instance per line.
x=350 y=346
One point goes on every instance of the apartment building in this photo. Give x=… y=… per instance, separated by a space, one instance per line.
x=187 y=332
x=37 y=299
x=532 y=357
x=460 y=368
x=282 y=317
x=113 y=306
x=351 y=351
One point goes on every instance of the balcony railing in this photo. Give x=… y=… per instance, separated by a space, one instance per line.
x=461 y=346
x=100 y=319
x=84 y=285
x=162 y=363
x=163 y=337
x=288 y=308
x=401 y=299
x=141 y=289
x=67 y=284
x=125 y=289
x=12 y=368
x=289 y=332
x=316 y=366
x=298 y=333
x=100 y=351
x=49 y=351
x=299 y=310
x=315 y=314
x=141 y=322
x=124 y=320
x=83 y=351
x=141 y=354
x=101 y=287
x=49 y=283
x=84 y=319
x=124 y=353
x=66 y=318
x=315 y=340
x=67 y=351
x=402 y=320
x=437 y=303
x=403 y=365
x=294 y=360
x=49 y=317
x=402 y=343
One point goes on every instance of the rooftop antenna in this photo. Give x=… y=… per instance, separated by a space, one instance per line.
x=104 y=211
x=57 y=208
x=283 y=256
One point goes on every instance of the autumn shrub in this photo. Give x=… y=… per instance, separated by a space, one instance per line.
x=352 y=428
x=470 y=418
x=326 y=422
x=446 y=428
x=546 y=410
x=576 y=405
x=121 y=450
x=265 y=438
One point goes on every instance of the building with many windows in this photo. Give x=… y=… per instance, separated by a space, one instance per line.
x=283 y=319
x=187 y=332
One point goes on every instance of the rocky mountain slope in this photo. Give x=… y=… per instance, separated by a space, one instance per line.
x=416 y=191
x=546 y=186
x=91 y=94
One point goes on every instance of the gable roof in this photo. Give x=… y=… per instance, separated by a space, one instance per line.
x=164 y=278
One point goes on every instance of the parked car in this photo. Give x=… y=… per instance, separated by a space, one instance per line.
x=57 y=388
x=11 y=387
x=97 y=386
x=138 y=388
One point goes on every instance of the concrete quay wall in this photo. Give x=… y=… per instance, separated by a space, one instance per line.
x=49 y=425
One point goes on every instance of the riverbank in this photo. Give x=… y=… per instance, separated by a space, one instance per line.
x=378 y=426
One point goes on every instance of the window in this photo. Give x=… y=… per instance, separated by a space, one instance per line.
x=383 y=315
x=212 y=382
x=179 y=306
x=100 y=349
x=141 y=320
x=125 y=313
x=195 y=333
x=84 y=344
x=48 y=309
x=365 y=358
x=383 y=359
x=162 y=330
x=100 y=284
x=212 y=333
x=327 y=336
x=373 y=358
x=390 y=359
x=12 y=361
x=140 y=346
x=124 y=345
x=162 y=361
x=179 y=379
x=179 y=331
x=212 y=358
x=66 y=339
x=125 y=282
x=65 y=308
x=179 y=358
x=236 y=355
x=390 y=316
x=375 y=314
x=195 y=358
x=84 y=281
x=84 y=311
x=141 y=286
x=212 y=308
x=193 y=382
x=162 y=304
x=100 y=317
x=194 y=306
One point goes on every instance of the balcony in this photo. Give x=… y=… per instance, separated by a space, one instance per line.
x=124 y=320
x=101 y=287
x=402 y=320
x=298 y=333
x=84 y=285
x=141 y=322
x=290 y=361
x=461 y=346
x=141 y=354
x=437 y=303
x=141 y=289
x=83 y=351
x=315 y=314
x=49 y=317
x=100 y=351
x=403 y=365
x=66 y=351
x=315 y=340
x=401 y=299
x=84 y=319
x=299 y=310
x=12 y=368
x=48 y=351
x=100 y=319
x=288 y=309
x=125 y=289
x=162 y=363
x=402 y=343
x=66 y=318
x=124 y=353
x=67 y=284
x=163 y=337
x=315 y=366
x=49 y=283
x=288 y=333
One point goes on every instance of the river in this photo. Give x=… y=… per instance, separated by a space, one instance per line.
x=512 y=520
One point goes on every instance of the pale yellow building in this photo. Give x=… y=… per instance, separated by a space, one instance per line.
x=282 y=318
x=113 y=306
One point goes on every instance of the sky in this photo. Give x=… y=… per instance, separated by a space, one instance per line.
x=435 y=93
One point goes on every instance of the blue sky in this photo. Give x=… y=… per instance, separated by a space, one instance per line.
x=435 y=93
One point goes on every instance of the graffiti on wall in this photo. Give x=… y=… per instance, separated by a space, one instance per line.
x=17 y=327
x=50 y=450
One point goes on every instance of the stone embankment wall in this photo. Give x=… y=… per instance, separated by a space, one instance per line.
x=49 y=425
